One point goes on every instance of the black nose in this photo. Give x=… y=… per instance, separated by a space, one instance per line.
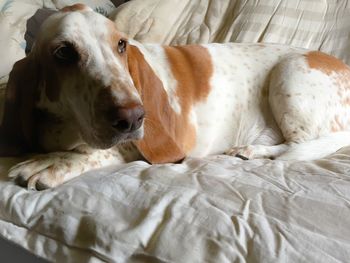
x=127 y=119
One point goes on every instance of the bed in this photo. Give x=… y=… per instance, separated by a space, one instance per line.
x=214 y=209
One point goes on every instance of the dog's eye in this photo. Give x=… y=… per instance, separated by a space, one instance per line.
x=66 y=53
x=122 y=46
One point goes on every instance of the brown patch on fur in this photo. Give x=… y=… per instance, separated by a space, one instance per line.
x=340 y=74
x=346 y=101
x=75 y=7
x=325 y=63
x=192 y=68
x=169 y=136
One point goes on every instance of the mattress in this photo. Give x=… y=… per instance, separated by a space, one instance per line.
x=213 y=209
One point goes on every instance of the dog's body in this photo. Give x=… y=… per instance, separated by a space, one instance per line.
x=250 y=100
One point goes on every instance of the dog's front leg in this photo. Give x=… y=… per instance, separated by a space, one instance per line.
x=52 y=169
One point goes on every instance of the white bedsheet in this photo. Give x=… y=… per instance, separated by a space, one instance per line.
x=215 y=209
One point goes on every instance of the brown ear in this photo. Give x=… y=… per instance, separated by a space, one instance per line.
x=160 y=143
x=16 y=131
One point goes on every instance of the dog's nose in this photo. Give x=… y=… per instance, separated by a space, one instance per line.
x=127 y=119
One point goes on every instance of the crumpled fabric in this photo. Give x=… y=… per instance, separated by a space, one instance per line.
x=215 y=209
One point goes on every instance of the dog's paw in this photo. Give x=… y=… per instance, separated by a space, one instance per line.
x=258 y=151
x=243 y=152
x=46 y=171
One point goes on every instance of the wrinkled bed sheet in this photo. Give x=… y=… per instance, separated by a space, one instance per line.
x=215 y=209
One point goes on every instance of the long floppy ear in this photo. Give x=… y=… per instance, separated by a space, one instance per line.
x=160 y=143
x=16 y=130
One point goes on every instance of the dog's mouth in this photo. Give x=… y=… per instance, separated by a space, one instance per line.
x=107 y=138
x=125 y=137
x=111 y=124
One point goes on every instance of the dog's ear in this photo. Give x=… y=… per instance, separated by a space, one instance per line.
x=161 y=143
x=16 y=130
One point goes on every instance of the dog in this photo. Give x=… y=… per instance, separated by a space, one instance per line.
x=87 y=96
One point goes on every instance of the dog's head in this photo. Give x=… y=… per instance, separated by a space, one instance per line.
x=78 y=72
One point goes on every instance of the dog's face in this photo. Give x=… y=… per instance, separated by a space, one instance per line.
x=83 y=77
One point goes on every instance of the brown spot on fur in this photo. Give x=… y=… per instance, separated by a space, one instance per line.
x=337 y=124
x=340 y=77
x=170 y=136
x=346 y=101
x=334 y=128
x=75 y=7
x=325 y=63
